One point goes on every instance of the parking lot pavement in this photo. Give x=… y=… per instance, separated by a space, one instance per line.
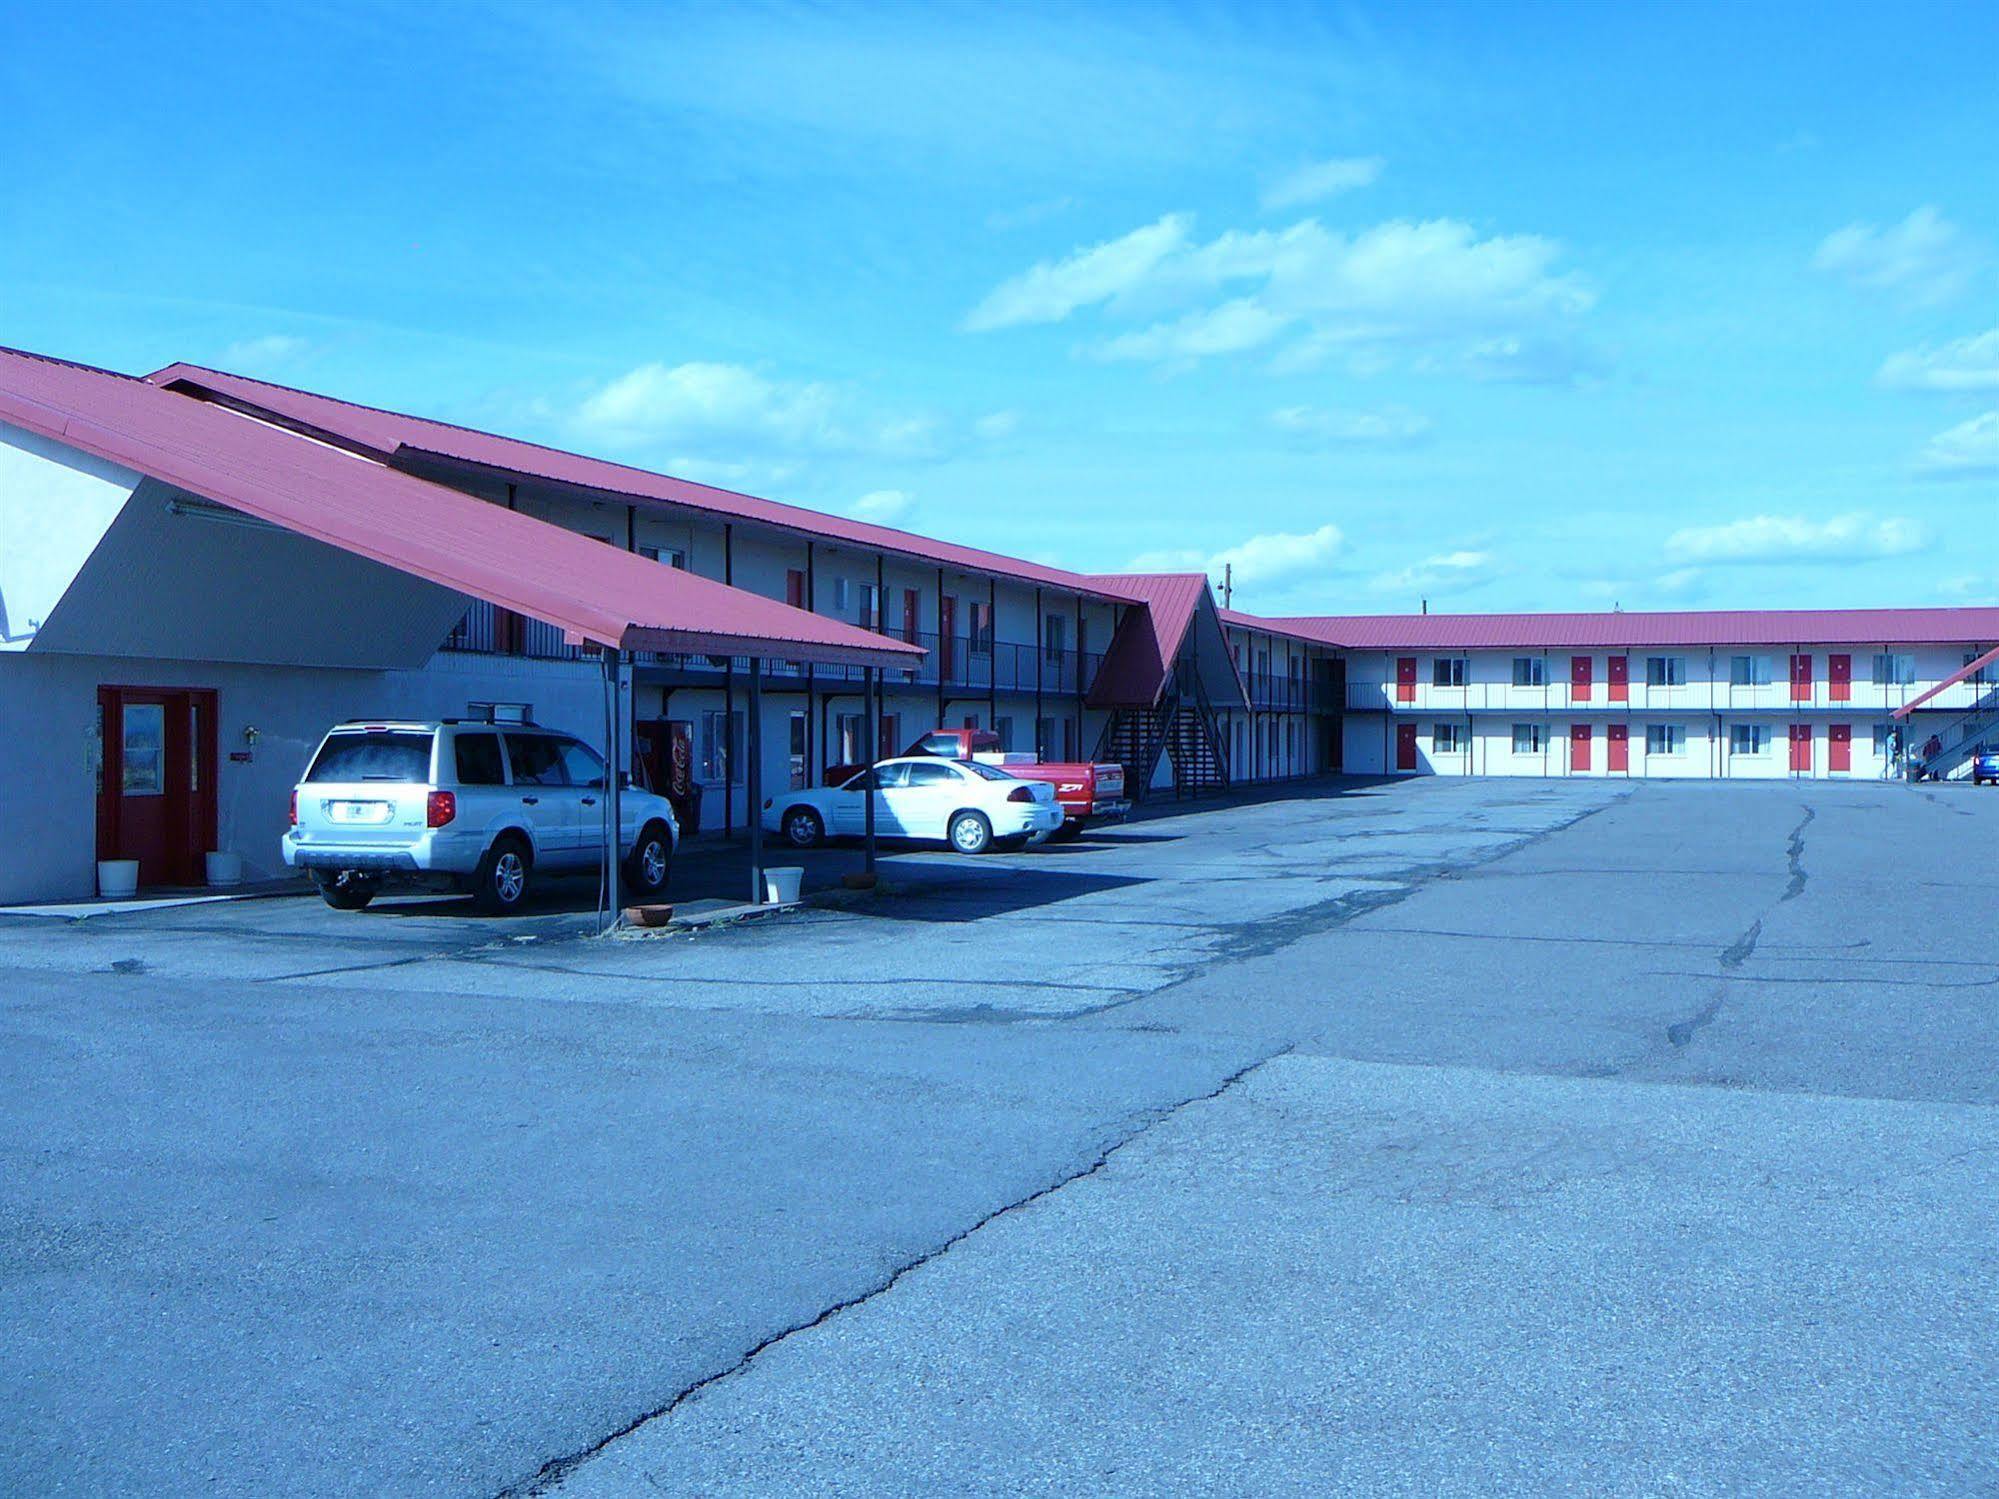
x=1447 y=1135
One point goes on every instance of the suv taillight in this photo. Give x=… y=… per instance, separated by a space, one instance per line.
x=440 y=809
x=1020 y=794
x=294 y=811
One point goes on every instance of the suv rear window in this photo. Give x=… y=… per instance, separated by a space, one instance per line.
x=478 y=757
x=383 y=755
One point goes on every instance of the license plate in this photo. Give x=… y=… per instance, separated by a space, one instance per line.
x=358 y=812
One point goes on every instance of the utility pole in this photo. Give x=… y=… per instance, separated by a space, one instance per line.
x=1228 y=584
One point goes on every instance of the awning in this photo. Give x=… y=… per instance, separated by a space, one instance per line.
x=591 y=591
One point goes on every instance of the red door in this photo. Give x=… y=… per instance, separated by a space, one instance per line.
x=156 y=796
x=911 y=625
x=1405 y=683
x=1617 y=753
x=947 y=625
x=1839 y=678
x=1838 y=747
x=794 y=587
x=1405 y=746
x=1801 y=748
x=1618 y=671
x=1579 y=748
x=1580 y=670
x=1801 y=678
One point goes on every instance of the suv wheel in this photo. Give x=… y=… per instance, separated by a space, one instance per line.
x=971 y=833
x=652 y=858
x=802 y=828
x=347 y=890
x=502 y=881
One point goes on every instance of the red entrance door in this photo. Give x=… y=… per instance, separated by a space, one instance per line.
x=1617 y=749
x=1801 y=678
x=1579 y=748
x=1839 y=678
x=1617 y=669
x=156 y=796
x=947 y=624
x=1839 y=747
x=1405 y=746
x=1405 y=680
x=910 y=627
x=1801 y=748
x=1581 y=668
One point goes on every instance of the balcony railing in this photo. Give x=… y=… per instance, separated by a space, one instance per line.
x=1273 y=692
x=1870 y=699
x=965 y=666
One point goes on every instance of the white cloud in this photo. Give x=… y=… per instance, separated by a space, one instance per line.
x=1319 y=180
x=1970 y=450
x=1925 y=259
x=1052 y=290
x=1227 y=329
x=1786 y=538
x=1972 y=588
x=995 y=425
x=735 y=409
x=1498 y=305
x=1390 y=426
x=885 y=507
x=267 y=352
x=1446 y=572
x=1273 y=557
x=1962 y=364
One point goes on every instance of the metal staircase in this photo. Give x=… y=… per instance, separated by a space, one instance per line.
x=1183 y=727
x=1958 y=740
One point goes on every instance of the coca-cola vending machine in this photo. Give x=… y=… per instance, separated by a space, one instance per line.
x=664 y=749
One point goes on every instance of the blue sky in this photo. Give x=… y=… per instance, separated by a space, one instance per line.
x=1505 y=306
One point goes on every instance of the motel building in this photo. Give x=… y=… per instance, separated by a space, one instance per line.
x=201 y=573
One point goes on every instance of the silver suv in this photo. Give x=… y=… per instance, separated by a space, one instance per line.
x=483 y=807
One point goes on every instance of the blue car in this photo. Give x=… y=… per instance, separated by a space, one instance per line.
x=1985 y=766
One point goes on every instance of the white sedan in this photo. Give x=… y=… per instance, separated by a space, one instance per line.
x=962 y=803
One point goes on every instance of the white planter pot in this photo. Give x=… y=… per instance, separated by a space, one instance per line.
x=225 y=869
x=117 y=879
x=781 y=883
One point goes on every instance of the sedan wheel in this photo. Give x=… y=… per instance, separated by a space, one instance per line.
x=802 y=828
x=971 y=833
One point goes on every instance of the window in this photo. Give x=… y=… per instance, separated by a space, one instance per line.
x=847 y=731
x=1894 y=669
x=868 y=616
x=1448 y=671
x=537 y=760
x=843 y=595
x=722 y=745
x=1529 y=738
x=1748 y=738
x=984 y=772
x=981 y=628
x=478 y=757
x=584 y=766
x=945 y=745
x=932 y=774
x=671 y=556
x=1749 y=671
x=1003 y=726
x=1529 y=671
x=391 y=756
x=1445 y=738
x=1665 y=671
x=1665 y=739
x=1055 y=635
x=1884 y=741
x=1984 y=673
x=143 y=751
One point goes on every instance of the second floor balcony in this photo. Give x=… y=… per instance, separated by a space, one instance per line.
x=1863 y=698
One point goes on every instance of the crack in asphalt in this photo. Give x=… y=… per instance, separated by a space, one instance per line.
x=1680 y=1033
x=552 y=1472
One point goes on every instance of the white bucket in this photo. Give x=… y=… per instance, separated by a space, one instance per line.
x=117 y=879
x=781 y=883
x=225 y=869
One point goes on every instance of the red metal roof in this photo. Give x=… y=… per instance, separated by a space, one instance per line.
x=1148 y=641
x=589 y=590
x=1717 y=627
x=389 y=433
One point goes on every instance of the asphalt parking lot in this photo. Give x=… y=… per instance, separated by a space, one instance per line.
x=1474 y=1137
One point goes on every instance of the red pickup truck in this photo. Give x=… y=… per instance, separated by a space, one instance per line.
x=1086 y=793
